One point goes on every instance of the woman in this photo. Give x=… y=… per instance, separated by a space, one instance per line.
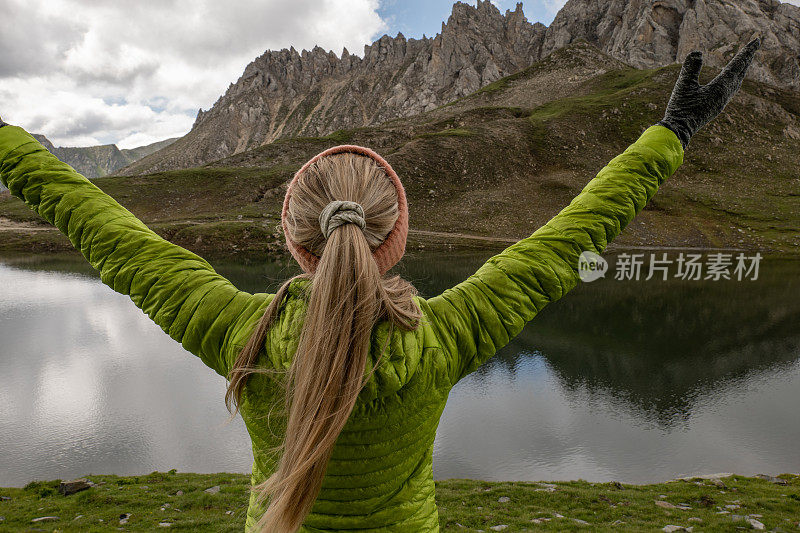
x=363 y=365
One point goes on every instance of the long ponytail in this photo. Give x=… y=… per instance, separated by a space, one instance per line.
x=348 y=297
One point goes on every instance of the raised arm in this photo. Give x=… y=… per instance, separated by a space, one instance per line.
x=177 y=289
x=480 y=315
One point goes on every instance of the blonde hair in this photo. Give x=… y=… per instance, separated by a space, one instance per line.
x=348 y=297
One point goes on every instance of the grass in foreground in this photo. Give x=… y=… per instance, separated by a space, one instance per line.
x=182 y=502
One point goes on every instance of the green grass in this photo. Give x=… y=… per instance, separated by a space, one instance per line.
x=464 y=505
x=505 y=82
x=50 y=241
x=338 y=136
x=450 y=132
x=610 y=90
x=500 y=170
x=558 y=58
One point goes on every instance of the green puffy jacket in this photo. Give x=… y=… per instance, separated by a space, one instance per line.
x=380 y=475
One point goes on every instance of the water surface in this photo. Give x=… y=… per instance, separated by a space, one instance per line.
x=633 y=381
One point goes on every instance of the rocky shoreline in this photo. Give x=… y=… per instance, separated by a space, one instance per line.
x=218 y=502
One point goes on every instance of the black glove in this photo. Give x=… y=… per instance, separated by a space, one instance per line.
x=692 y=105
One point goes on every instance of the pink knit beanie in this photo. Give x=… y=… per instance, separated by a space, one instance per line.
x=390 y=250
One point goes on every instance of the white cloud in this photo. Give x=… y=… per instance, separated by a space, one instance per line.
x=553 y=5
x=84 y=72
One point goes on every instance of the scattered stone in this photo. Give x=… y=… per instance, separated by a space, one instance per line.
x=772 y=479
x=499 y=527
x=665 y=505
x=581 y=522
x=672 y=528
x=71 y=487
x=710 y=477
x=231 y=512
x=123 y=518
x=212 y=490
x=179 y=493
x=558 y=515
x=791 y=132
x=546 y=487
x=503 y=499
x=617 y=523
x=695 y=519
x=77 y=517
x=732 y=506
x=45 y=519
x=164 y=524
x=541 y=520
x=755 y=523
x=145 y=487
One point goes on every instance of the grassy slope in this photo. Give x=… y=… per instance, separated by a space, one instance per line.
x=464 y=505
x=504 y=160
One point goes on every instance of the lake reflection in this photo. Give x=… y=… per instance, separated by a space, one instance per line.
x=634 y=381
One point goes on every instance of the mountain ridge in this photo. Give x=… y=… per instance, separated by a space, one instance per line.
x=499 y=163
x=287 y=93
x=101 y=160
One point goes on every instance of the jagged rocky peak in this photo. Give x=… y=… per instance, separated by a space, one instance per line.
x=656 y=33
x=473 y=36
x=314 y=92
x=286 y=93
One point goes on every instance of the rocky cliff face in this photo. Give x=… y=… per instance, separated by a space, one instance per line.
x=655 y=33
x=314 y=93
x=311 y=93
x=98 y=161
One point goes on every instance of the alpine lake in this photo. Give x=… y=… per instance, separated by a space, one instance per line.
x=631 y=380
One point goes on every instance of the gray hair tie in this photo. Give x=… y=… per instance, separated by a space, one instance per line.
x=340 y=212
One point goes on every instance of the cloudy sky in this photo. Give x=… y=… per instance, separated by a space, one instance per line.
x=86 y=72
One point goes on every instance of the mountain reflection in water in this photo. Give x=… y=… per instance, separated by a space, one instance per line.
x=636 y=380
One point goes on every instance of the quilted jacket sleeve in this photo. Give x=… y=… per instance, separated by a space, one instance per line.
x=177 y=289
x=482 y=314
